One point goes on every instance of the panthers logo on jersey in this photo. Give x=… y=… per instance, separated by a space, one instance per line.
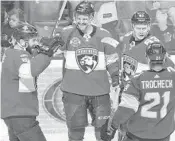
x=129 y=65
x=87 y=59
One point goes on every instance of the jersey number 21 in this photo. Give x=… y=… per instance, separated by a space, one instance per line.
x=156 y=97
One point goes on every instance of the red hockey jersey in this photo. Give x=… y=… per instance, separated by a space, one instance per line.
x=87 y=60
x=150 y=96
x=134 y=55
x=18 y=82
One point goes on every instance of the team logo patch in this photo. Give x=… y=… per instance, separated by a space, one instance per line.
x=75 y=42
x=24 y=58
x=87 y=59
x=129 y=65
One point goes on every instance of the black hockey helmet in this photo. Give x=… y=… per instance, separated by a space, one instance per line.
x=85 y=8
x=140 y=17
x=156 y=53
x=24 y=31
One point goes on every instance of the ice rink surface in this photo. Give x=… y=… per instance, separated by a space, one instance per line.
x=55 y=130
x=62 y=135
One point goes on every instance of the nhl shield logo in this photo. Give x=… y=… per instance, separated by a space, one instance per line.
x=87 y=59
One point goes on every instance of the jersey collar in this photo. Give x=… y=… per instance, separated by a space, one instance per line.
x=92 y=34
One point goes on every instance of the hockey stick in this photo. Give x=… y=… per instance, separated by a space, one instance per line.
x=116 y=100
x=59 y=17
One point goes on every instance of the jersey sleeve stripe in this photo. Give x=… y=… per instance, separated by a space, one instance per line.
x=26 y=81
x=129 y=101
x=110 y=41
x=25 y=70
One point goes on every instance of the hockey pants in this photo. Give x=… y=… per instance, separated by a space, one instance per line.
x=76 y=107
x=24 y=129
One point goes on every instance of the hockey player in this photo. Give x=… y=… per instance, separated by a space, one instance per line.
x=147 y=103
x=133 y=48
x=90 y=53
x=134 y=45
x=19 y=102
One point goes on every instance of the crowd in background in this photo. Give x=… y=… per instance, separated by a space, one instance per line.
x=112 y=15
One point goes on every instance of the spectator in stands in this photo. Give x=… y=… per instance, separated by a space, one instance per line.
x=16 y=16
x=106 y=16
x=168 y=6
x=163 y=31
x=171 y=14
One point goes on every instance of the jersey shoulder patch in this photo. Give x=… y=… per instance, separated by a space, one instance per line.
x=68 y=29
x=103 y=30
x=150 y=40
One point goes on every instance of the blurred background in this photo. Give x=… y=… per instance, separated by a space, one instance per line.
x=112 y=15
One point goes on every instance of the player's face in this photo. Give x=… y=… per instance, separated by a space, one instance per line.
x=13 y=21
x=141 y=31
x=33 y=42
x=83 y=21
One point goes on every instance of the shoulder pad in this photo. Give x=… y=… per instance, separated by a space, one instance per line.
x=102 y=29
x=110 y=41
x=68 y=27
x=101 y=32
x=137 y=75
x=128 y=34
x=151 y=39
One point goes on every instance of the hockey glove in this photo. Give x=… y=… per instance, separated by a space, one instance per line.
x=107 y=132
x=49 y=46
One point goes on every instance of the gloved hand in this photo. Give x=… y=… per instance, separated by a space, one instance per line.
x=107 y=132
x=49 y=46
